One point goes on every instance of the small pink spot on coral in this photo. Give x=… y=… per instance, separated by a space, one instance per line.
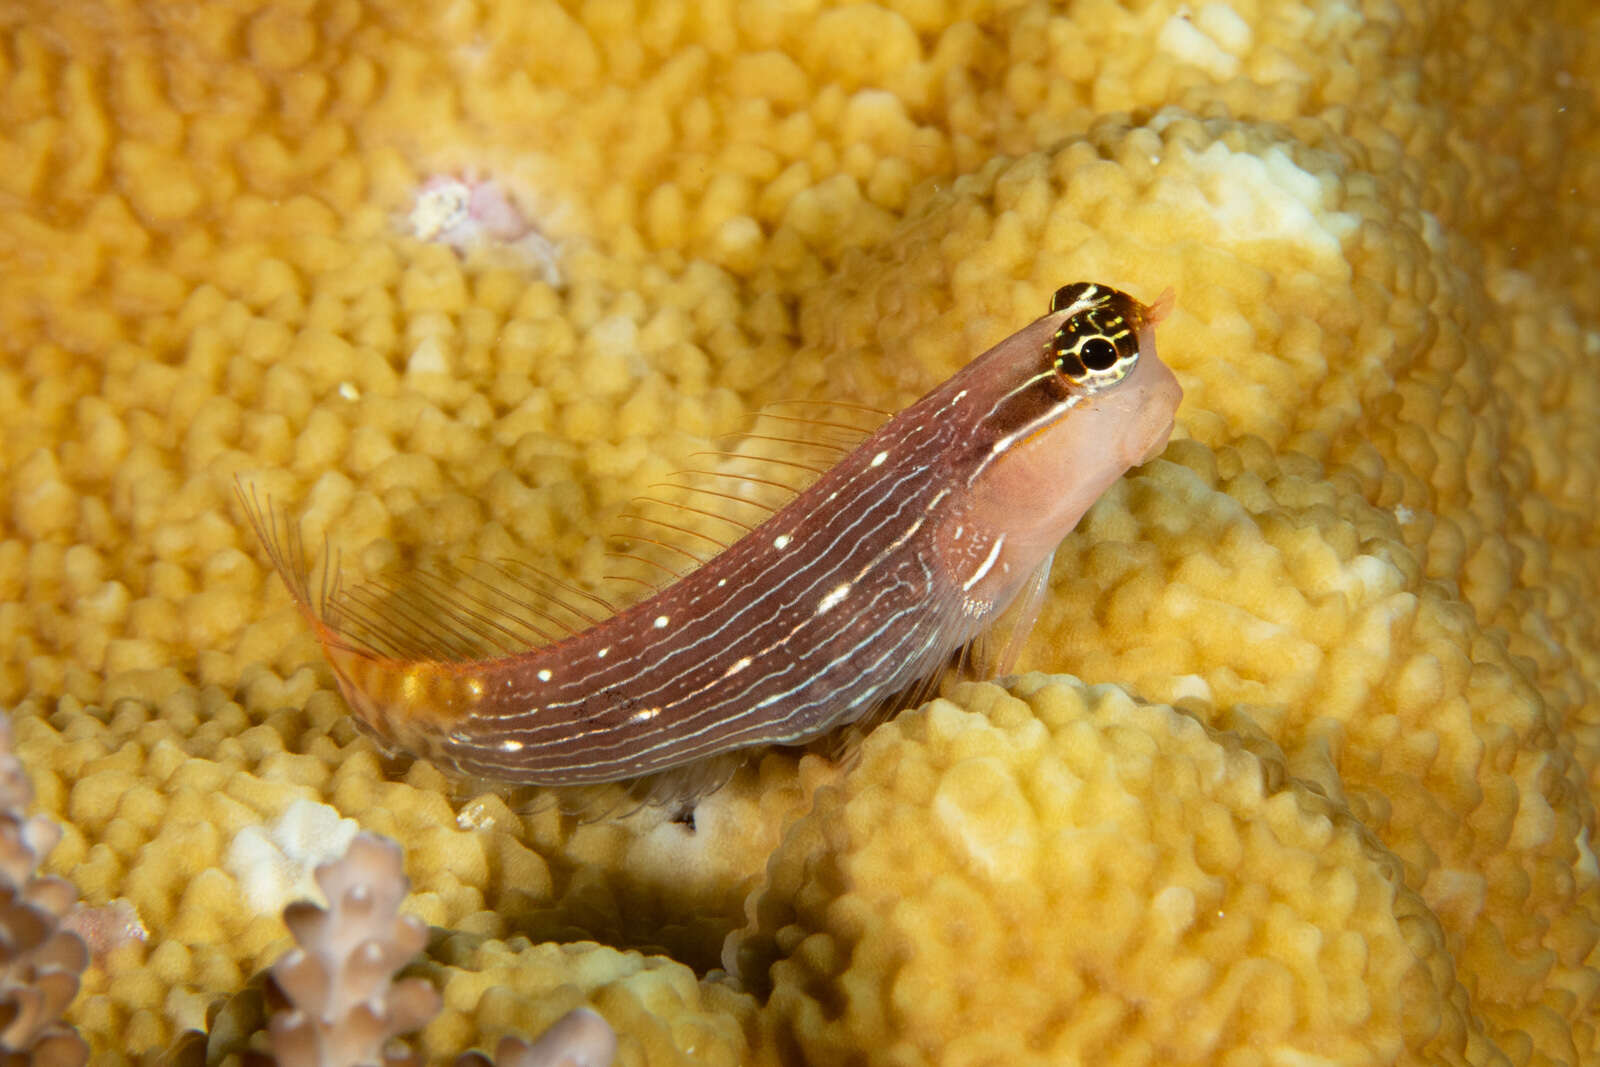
x=106 y=927
x=465 y=213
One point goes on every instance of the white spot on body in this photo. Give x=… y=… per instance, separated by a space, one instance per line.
x=646 y=714
x=661 y=622
x=602 y=653
x=511 y=746
x=781 y=541
x=985 y=566
x=545 y=675
x=738 y=665
x=877 y=461
x=836 y=594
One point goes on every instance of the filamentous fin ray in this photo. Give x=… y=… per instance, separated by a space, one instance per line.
x=443 y=612
x=568 y=596
x=666 y=545
x=716 y=503
x=449 y=612
x=827 y=426
x=732 y=498
x=284 y=544
x=510 y=634
x=670 y=572
x=499 y=617
x=684 y=530
x=788 y=490
x=811 y=469
x=798 y=442
x=878 y=414
x=996 y=652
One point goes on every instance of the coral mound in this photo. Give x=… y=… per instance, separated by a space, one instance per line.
x=1066 y=876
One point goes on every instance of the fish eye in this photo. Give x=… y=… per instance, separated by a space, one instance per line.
x=1098 y=353
x=1097 y=343
x=1091 y=359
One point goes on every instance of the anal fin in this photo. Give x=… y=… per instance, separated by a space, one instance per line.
x=995 y=652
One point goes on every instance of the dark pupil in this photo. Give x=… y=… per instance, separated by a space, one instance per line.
x=1098 y=354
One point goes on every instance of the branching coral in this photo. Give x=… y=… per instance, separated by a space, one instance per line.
x=345 y=1006
x=40 y=960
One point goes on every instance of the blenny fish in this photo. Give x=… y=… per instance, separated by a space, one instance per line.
x=863 y=585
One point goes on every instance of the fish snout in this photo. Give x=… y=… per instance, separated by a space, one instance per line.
x=1159 y=396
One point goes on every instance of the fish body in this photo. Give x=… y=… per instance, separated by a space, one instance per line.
x=861 y=586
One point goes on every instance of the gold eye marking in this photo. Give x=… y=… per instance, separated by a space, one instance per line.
x=1068 y=295
x=1096 y=345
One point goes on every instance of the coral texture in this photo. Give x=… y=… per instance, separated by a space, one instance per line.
x=954 y=901
x=461 y=280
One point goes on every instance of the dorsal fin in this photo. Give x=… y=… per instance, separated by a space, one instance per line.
x=479 y=610
x=699 y=510
x=441 y=612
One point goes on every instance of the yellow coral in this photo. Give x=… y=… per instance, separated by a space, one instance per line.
x=1057 y=879
x=1369 y=555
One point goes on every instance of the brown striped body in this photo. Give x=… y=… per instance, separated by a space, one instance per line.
x=862 y=585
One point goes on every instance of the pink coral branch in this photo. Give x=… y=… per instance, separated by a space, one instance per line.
x=40 y=959
x=346 y=1008
x=580 y=1038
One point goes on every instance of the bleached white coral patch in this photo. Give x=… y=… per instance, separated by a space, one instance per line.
x=274 y=864
x=1185 y=686
x=429 y=357
x=1241 y=196
x=441 y=207
x=1211 y=38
